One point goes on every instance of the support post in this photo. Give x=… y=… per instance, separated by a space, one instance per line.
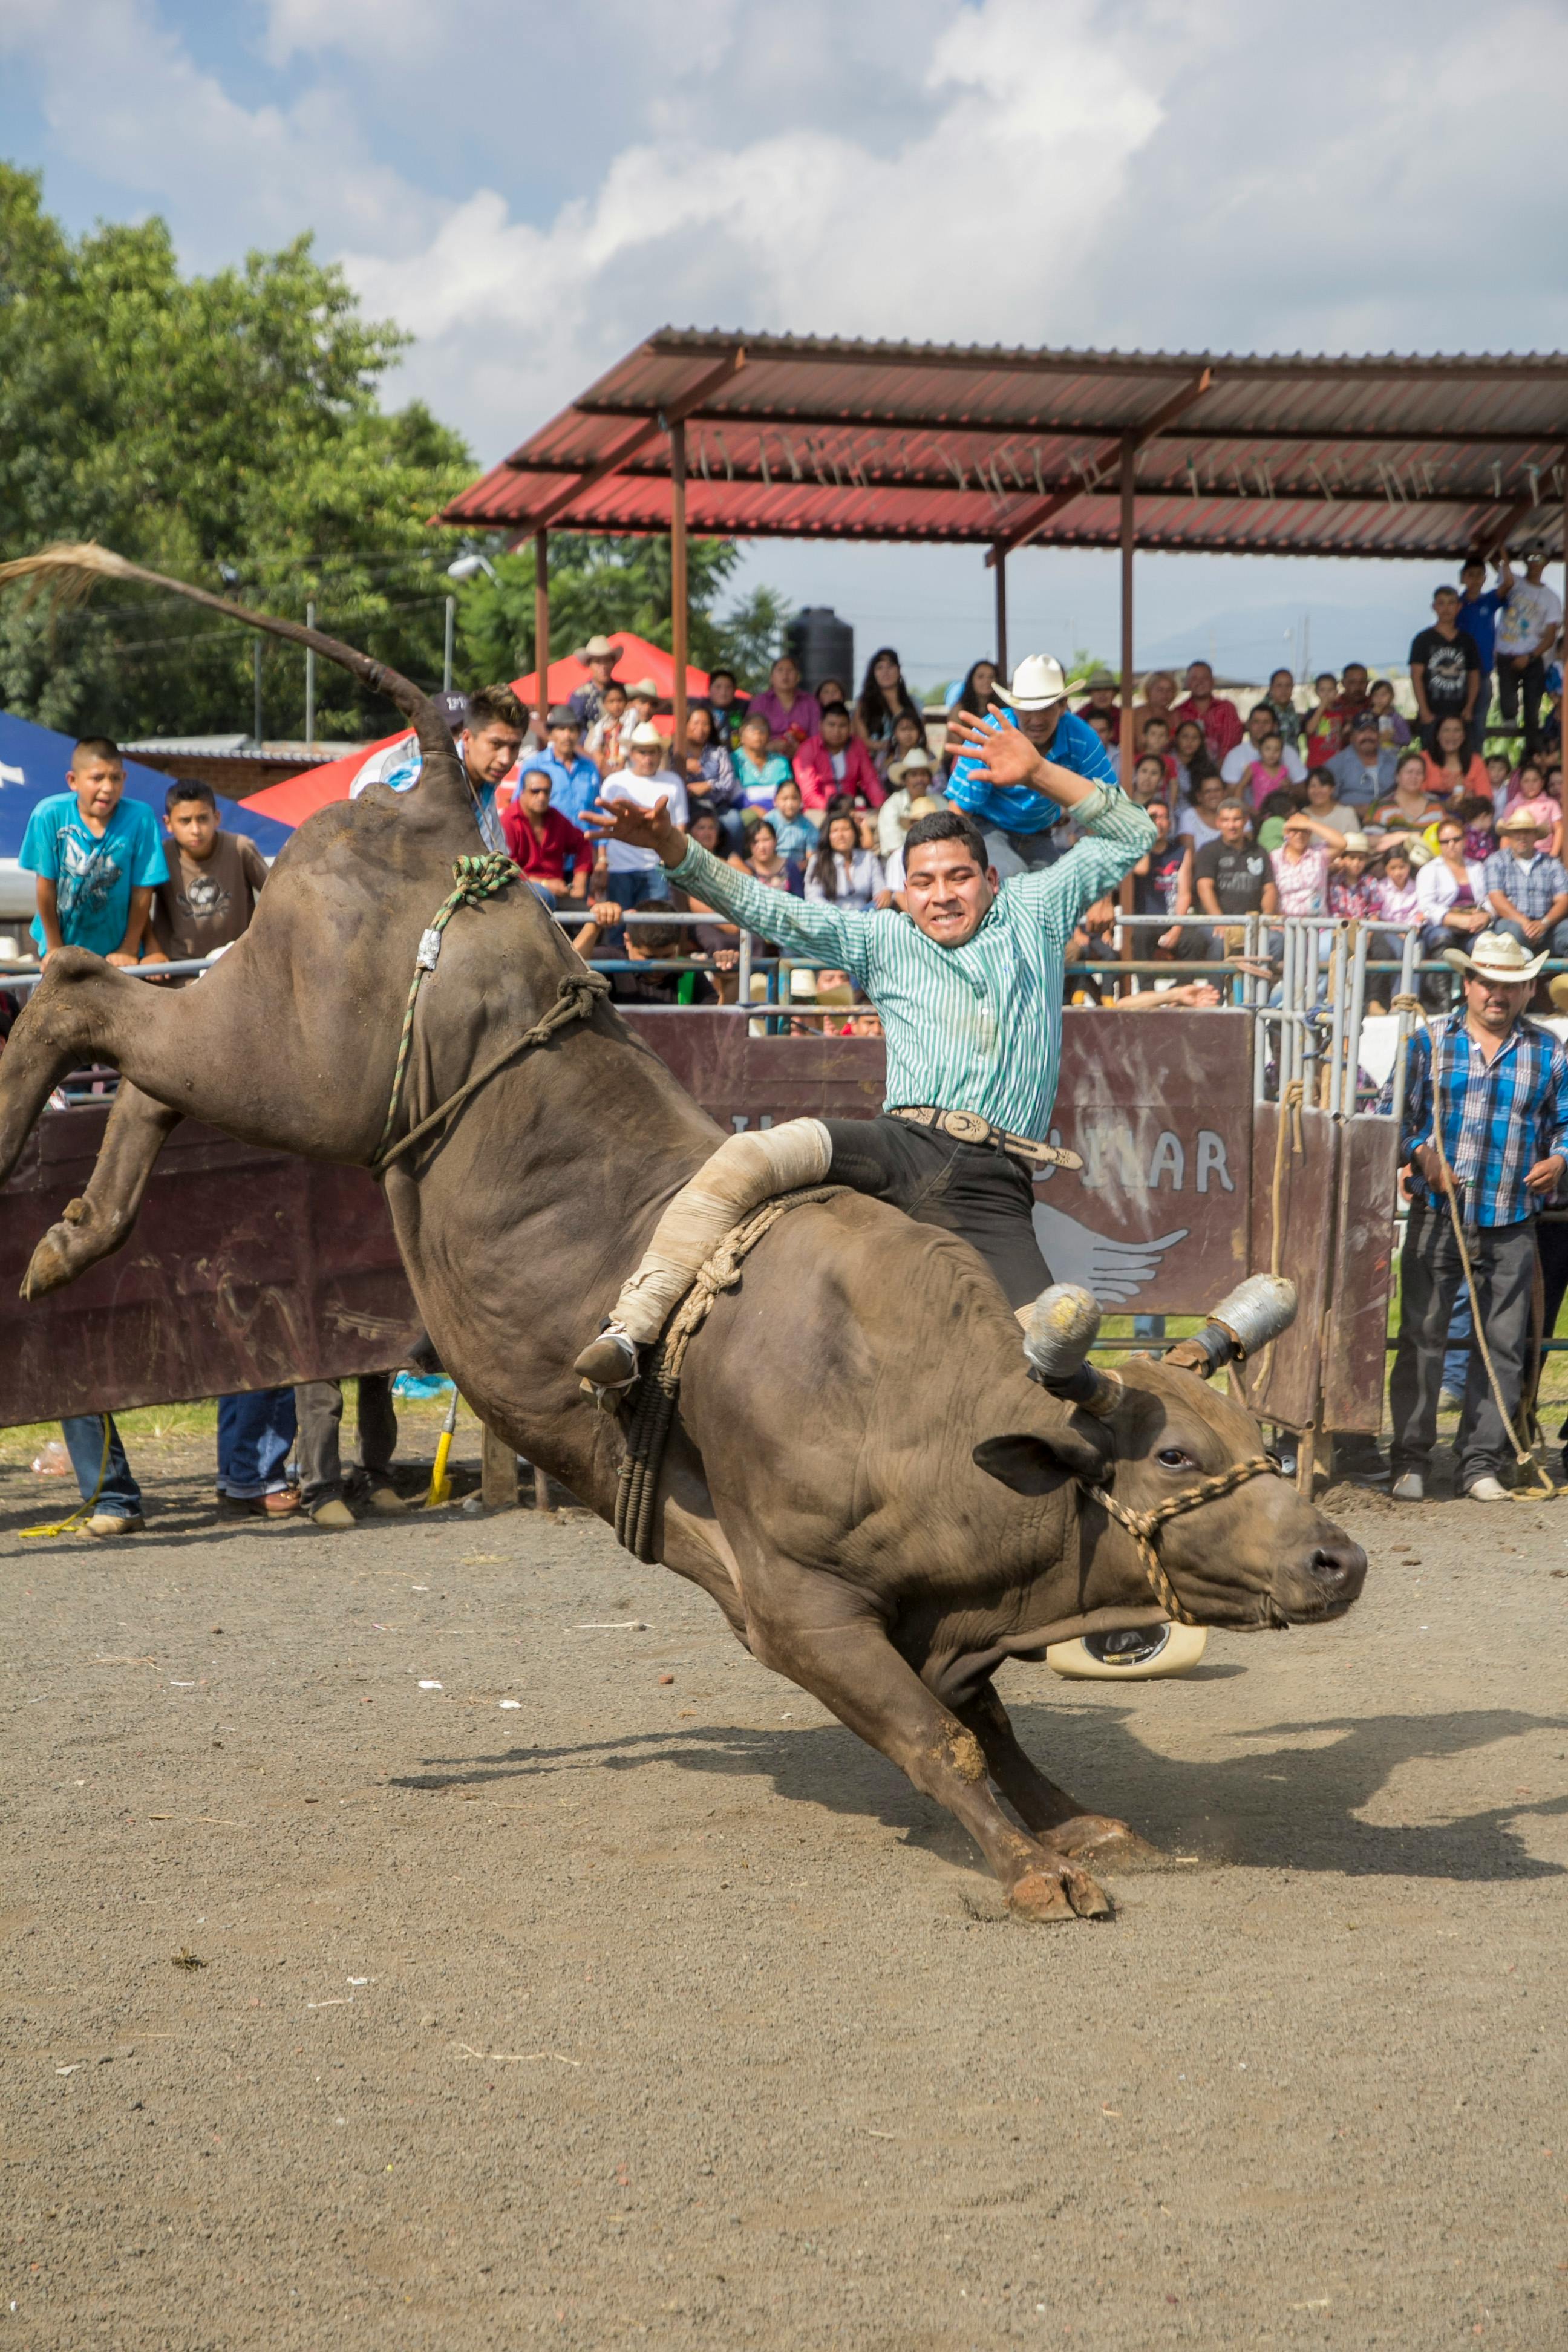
x=256 y=690
x=1001 y=569
x=1124 y=763
x=448 y=644
x=497 y=1472
x=542 y=626
x=310 y=676
x=678 y=614
x=1563 y=655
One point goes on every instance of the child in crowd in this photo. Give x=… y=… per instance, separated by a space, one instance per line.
x=908 y=735
x=1529 y=793
x=727 y=712
x=1269 y=820
x=603 y=738
x=95 y=860
x=1392 y=732
x=214 y=881
x=1150 y=780
x=1479 y=818
x=1268 y=773
x=1156 y=737
x=1395 y=883
x=1321 y=734
x=758 y=771
x=792 y=827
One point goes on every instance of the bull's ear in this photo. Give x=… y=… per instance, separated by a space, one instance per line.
x=1033 y=1465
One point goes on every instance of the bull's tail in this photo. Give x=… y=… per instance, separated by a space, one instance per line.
x=69 y=574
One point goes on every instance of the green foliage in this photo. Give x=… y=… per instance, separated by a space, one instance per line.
x=1083 y=662
x=200 y=423
x=600 y=584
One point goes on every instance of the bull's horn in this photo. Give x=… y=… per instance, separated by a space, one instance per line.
x=1246 y=1319
x=1062 y=1328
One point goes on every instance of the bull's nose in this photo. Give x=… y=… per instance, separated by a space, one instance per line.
x=1340 y=1569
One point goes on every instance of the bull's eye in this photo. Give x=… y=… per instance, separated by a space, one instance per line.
x=1174 y=1458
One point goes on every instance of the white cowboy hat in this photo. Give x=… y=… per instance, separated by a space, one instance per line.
x=596 y=650
x=644 y=737
x=1497 y=955
x=644 y=686
x=1519 y=820
x=1357 y=844
x=913 y=763
x=1038 y=682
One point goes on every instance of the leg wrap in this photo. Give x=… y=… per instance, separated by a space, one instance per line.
x=745 y=1171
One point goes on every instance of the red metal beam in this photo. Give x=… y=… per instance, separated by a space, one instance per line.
x=675 y=414
x=1034 y=519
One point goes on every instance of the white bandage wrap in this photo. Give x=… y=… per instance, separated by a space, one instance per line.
x=745 y=1171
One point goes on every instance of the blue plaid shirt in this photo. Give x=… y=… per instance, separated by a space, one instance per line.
x=1531 y=889
x=1498 y=1117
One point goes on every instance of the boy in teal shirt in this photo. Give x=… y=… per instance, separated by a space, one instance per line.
x=98 y=859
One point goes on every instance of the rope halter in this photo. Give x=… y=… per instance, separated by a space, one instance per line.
x=1144 y=1527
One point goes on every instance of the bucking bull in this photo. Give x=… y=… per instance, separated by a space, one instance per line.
x=863 y=1476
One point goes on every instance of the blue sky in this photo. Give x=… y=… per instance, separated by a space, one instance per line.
x=531 y=188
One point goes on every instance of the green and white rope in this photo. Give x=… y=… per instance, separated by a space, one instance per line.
x=476 y=880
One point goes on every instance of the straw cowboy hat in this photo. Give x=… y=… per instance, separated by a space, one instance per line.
x=1357 y=845
x=644 y=686
x=1521 y=821
x=913 y=763
x=644 y=737
x=597 y=649
x=1497 y=955
x=1038 y=682
x=924 y=807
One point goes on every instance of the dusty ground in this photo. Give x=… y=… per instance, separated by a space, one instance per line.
x=652 y=2009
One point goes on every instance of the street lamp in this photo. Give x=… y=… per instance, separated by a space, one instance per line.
x=465 y=567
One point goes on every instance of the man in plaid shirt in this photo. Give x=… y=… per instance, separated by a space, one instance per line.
x=1501 y=1094
x=1527 y=891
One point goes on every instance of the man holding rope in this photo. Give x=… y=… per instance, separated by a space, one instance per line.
x=1494 y=1087
x=968 y=982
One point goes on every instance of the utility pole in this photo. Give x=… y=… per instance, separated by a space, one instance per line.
x=451 y=636
x=256 y=683
x=310 y=677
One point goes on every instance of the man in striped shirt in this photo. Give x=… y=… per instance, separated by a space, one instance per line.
x=1499 y=1101
x=968 y=982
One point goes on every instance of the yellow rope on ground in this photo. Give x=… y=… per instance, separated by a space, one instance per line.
x=76 y=1520
x=1523 y=1457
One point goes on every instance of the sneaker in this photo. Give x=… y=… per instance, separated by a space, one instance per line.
x=335 y=1514
x=1409 y=1487
x=110 y=1524
x=1487 y=1489
x=1448 y=1403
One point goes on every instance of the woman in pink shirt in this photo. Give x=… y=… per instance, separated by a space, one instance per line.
x=1301 y=865
x=792 y=714
x=1528 y=792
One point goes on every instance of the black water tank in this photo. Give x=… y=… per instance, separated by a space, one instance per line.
x=824 y=645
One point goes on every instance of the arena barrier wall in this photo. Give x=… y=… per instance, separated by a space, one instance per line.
x=249 y=1267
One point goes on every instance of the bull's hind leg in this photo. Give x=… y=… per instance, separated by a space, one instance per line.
x=101 y=1220
x=1060 y=1822
x=848 y=1661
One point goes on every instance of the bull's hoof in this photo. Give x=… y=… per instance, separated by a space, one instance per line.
x=1045 y=1899
x=1108 y=1844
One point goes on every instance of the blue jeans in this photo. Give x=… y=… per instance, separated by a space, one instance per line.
x=629 y=888
x=119 y=1497
x=255 y=1432
x=1555 y=942
x=1457 y=1355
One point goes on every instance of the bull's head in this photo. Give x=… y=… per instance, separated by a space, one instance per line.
x=1254 y=1555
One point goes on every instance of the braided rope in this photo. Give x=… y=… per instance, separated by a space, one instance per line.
x=658 y=1391
x=576 y=993
x=1144 y=1527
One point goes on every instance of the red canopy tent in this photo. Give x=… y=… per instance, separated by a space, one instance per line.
x=298 y=797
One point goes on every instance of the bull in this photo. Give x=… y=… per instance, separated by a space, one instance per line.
x=863 y=1477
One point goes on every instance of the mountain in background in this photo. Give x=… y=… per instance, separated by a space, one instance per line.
x=1248 y=641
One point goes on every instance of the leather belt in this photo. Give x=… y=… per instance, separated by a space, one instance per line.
x=968 y=1127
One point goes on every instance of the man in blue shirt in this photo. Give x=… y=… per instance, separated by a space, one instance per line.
x=1495 y=1087
x=574 y=778
x=1479 y=609
x=96 y=858
x=1019 y=824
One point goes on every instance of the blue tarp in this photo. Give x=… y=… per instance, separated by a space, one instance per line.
x=33 y=764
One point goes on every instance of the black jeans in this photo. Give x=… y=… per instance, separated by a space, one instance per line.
x=320 y=1406
x=969 y=1189
x=1528 y=684
x=1430 y=1274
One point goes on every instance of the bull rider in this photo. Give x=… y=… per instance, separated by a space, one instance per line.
x=968 y=982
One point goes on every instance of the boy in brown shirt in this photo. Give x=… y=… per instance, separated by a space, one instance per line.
x=214 y=877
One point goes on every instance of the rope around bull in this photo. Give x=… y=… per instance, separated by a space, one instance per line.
x=1144 y=1527
x=658 y=1391
x=1524 y=1457
x=576 y=993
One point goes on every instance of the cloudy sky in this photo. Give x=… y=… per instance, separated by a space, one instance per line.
x=531 y=187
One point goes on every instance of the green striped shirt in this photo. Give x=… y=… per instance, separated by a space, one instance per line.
x=976 y=1027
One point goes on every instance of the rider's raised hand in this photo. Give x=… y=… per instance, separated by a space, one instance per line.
x=626 y=820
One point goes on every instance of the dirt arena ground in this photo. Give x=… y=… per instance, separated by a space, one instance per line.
x=443 y=1935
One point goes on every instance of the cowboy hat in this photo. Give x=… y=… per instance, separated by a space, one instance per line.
x=1497 y=955
x=924 y=807
x=644 y=686
x=913 y=763
x=1098 y=681
x=597 y=649
x=1519 y=820
x=644 y=737
x=1356 y=845
x=1038 y=682
x=1418 y=852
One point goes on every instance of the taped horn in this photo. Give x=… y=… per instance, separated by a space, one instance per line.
x=1246 y=1319
x=1063 y=1325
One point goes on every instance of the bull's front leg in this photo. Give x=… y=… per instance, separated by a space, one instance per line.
x=1063 y=1826
x=805 y=1625
x=101 y=1220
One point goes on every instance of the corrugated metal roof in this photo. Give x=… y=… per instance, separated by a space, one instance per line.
x=790 y=437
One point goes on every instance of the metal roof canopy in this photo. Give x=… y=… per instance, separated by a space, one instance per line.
x=789 y=436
